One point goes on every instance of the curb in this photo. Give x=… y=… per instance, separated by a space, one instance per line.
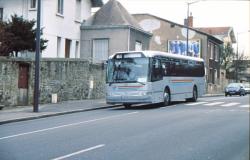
x=56 y=114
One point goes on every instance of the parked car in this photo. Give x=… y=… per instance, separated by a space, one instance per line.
x=247 y=88
x=235 y=89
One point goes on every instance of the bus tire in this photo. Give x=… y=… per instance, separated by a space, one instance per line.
x=166 y=97
x=195 y=94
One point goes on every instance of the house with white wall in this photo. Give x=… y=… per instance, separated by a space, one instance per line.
x=111 y=29
x=60 y=22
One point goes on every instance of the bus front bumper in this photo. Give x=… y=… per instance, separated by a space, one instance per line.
x=129 y=99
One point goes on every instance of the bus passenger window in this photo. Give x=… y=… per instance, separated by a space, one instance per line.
x=166 y=68
x=157 y=72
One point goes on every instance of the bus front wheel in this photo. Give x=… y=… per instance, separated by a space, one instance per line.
x=166 y=98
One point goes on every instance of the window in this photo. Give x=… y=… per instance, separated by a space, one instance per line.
x=1 y=14
x=60 y=7
x=100 y=50
x=78 y=10
x=217 y=53
x=211 y=51
x=138 y=46
x=157 y=71
x=58 y=46
x=32 y=4
x=67 y=48
x=211 y=76
x=183 y=68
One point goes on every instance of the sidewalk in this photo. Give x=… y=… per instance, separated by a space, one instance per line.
x=23 y=113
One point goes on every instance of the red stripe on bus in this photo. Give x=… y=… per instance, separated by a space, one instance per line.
x=182 y=81
x=130 y=86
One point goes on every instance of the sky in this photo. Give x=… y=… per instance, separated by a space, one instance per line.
x=206 y=13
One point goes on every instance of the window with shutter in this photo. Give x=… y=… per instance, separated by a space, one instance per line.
x=100 y=50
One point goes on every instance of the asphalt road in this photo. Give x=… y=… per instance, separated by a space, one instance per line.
x=215 y=128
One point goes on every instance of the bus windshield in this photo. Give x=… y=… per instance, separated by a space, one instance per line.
x=125 y=70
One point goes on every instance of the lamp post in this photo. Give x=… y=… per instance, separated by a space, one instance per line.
x=237 y=55
x=37 y=59
x=187 y=21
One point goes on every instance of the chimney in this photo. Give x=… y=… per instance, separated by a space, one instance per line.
x=190 y=21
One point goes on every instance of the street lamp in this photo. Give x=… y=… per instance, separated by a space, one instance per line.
x=237 y=55
x=187 y=21
x=37 y=59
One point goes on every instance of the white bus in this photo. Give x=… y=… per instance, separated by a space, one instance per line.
x=153 y=77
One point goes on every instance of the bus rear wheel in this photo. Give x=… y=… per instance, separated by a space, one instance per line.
x=166 y=98
x=195 y=95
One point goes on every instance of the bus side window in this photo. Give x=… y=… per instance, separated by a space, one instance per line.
x=199 y=69
x=157 y=71
x=166 y=68
x=171 y=68
x=174 y=67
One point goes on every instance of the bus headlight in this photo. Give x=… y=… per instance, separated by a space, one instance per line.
x=144 y=93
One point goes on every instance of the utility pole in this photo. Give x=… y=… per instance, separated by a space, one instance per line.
x=237 y=58
x=37 y=59
x=187 y=22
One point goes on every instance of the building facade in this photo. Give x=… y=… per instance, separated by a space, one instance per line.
x=60 y=22
x=171 y=37
x=225 y=34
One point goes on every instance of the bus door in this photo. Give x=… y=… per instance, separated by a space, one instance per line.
x=156 y=79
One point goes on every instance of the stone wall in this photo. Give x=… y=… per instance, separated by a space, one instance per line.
x=70 y=79
x=8 y=82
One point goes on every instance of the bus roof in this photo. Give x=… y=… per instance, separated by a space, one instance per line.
x=159 y=53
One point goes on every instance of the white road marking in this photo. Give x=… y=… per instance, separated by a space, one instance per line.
x=215 y=99
x=79 y=152
x=196 y=103
x=67 y=125
x=230 y=104
x=245 y=106
x=214 y=103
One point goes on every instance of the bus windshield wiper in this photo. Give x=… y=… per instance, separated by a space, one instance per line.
x=138 y=82
x=119 y=80
x=110 y=83
x=141 y=83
